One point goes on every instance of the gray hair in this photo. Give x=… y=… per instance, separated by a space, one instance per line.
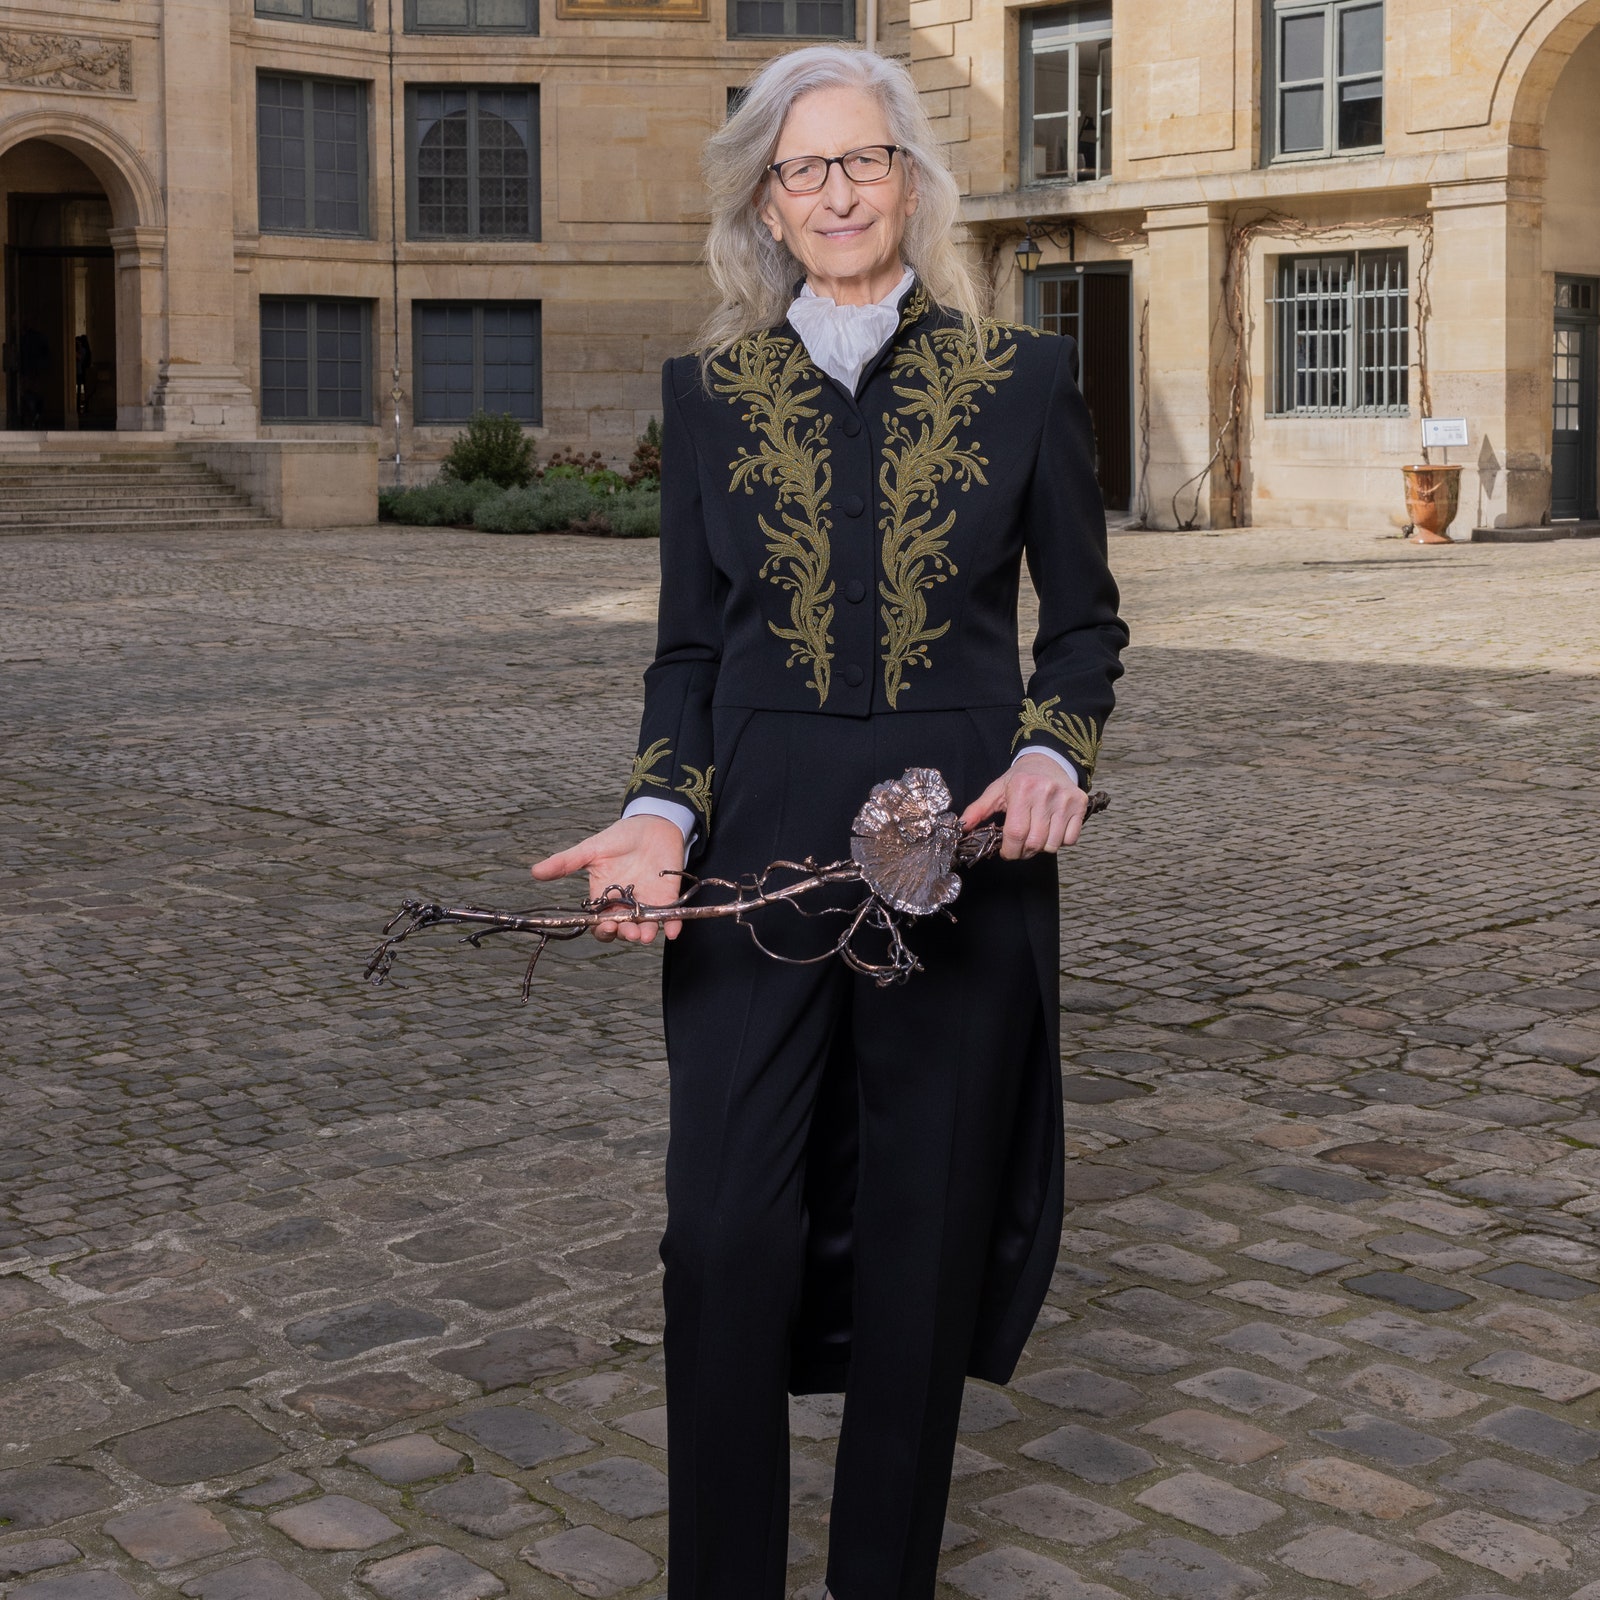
x=753 y=272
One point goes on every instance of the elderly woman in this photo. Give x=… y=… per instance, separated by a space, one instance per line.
x=863 y=1183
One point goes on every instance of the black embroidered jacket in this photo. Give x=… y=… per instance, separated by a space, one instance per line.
x=860 y=554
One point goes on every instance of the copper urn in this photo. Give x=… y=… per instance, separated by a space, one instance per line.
x=1433 y=496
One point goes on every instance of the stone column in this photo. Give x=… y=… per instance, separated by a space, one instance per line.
x=1489 y=340
x=1187 y=355
x=141 y=300
x=199 y=388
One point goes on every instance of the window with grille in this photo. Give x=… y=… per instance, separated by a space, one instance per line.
x=474 y=163
x=1066 y=93
x=1327 y=66
x=813 y=19
x=311 y=154
x=341 y=13
x=316 y=360
x=1342 y=335
x=472 y=16
x=476 y=356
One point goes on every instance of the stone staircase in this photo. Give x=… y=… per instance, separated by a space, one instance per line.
x=84 y=490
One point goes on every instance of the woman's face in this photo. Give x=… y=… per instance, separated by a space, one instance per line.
x=844 y=235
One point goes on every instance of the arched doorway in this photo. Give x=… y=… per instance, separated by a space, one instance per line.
x=59 y=288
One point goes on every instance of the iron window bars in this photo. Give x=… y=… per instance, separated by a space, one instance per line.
x=316 y=360
x=1066 y=93
x=474 y=169
x=1342 y=335
x=472 y=16
x=311 y=155
x=1327 y=62
x=476 y=356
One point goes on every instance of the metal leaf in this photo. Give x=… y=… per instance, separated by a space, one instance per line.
x=905 y=840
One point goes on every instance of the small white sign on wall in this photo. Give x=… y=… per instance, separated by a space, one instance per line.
x=1444 y=433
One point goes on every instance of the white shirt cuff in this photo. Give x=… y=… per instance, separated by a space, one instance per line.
x=1043 y=750
x=648 y=806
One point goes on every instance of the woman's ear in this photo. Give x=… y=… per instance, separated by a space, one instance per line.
x=768 y=213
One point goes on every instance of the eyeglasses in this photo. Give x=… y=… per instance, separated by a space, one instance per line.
x=807 y=174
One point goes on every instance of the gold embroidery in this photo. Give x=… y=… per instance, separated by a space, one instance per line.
x=644 y=765
x=951 y=367
x=765 y=376
x=697 y=789
x=1078 y=734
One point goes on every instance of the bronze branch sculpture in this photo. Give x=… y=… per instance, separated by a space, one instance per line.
x=906 y=848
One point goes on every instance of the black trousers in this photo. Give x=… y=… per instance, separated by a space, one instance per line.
x=839 y=1165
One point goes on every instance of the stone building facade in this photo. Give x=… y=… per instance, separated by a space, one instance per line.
x=1334 y=217
x=1282 y=230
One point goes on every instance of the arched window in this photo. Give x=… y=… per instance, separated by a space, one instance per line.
x=474 y=163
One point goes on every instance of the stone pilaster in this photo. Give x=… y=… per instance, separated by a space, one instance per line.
x=1489 y=339
x=1187 y=346
x=199 y=387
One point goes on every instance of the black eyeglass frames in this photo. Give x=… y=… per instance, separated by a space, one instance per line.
x=872 y=163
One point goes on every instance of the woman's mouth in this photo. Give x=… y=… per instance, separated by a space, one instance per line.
x=845 y=233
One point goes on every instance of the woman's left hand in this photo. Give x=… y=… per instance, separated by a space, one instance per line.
x=1044 y=808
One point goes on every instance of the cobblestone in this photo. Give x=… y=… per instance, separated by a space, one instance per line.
x=271 y=1239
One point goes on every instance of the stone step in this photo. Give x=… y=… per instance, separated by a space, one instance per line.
x=26 y=475
x=227 y=522
x=92 y=495
x=122 y=512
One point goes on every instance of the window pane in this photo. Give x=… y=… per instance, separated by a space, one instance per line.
x=338 y=11
x=509 y=356
x=504 y=164
x=503 y=14
x=1302 y=120
x=758 y=16
x=280 y=8
x=1360 y=114
x=1058 y=305
x=1302 y=54
x=444 y=363
x=341 y=365
x=443 y=13
x=281 y=152
x=442 y=194
x=1361 y=41
x=823 y=17
x=1066 y=22
x=1089 y=90
x=1052 y=82
x=285 y=365
x=336 y=155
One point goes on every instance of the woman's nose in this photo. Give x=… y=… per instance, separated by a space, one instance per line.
x=839 y=192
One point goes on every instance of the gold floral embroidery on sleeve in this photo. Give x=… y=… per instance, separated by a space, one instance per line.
x=771 y=376
x=644 y=765
x=941 y=375
x=696 y=789
x=1078 y=735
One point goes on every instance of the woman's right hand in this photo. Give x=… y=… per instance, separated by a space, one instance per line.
x=643 y=851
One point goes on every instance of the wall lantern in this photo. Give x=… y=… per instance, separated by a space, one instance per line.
x=1029 y=255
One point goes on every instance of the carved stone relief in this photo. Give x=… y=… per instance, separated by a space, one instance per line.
x=66 y=61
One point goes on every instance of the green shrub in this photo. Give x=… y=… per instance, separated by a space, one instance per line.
x=438 y=505
x=605 y=481
x=635 y=513
x=547 y=507
x=492 y=447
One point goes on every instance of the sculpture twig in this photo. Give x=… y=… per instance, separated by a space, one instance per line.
x=905 y=850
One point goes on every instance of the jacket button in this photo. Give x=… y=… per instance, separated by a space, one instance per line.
x=855 y=591
x=850 y=425
x=853 y=505
x=853 y=675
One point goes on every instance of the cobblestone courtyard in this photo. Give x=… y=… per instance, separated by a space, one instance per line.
x=309 y=1289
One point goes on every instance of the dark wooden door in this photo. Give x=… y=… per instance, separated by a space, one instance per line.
x=1575 y=418
x=1093 y=305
